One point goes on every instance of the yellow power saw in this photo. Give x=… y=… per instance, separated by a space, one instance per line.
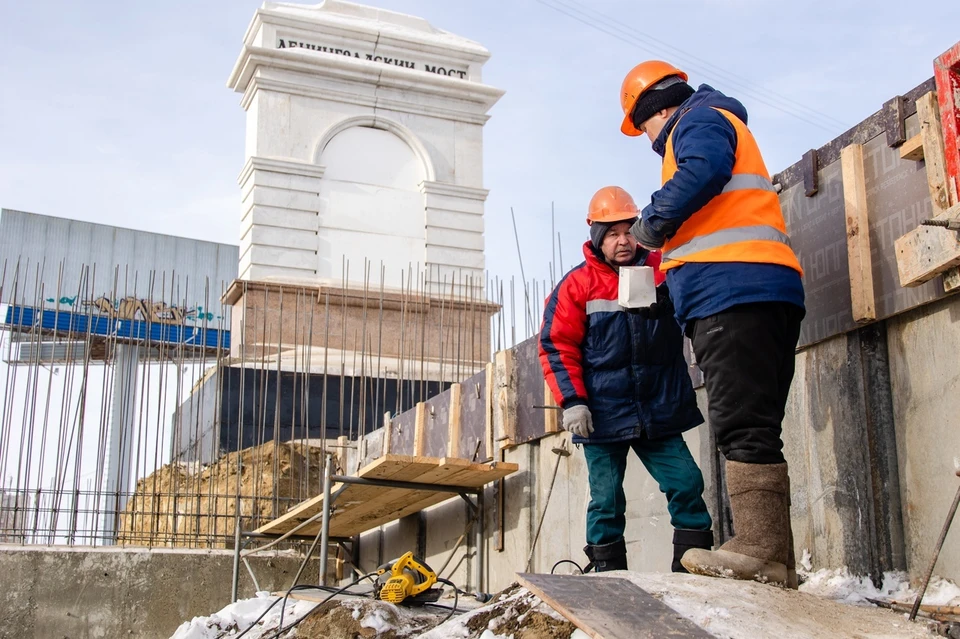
x=407 y=581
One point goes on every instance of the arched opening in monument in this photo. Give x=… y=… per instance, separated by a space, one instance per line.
x=371 y=206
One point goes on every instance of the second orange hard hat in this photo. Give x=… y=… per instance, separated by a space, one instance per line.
x=611 y=204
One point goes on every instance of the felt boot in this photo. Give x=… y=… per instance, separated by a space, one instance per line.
x=759 y=495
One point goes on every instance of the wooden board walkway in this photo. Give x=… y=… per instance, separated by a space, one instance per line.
x=610 y=607
x=362 y=507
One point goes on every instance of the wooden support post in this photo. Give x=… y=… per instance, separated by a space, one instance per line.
x=420 y=430
x=488 y=412
x=343 y=447
x=551 y=418
x=929 y=114
x=862 y=299
x=453 y=428
x=926 y=252
x=387 y=433
x=505 y=405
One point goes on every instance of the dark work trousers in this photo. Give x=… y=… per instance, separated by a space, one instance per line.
x=746 y=354
x=668 y=461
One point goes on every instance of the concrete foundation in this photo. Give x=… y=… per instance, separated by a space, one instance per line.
x=114 y=592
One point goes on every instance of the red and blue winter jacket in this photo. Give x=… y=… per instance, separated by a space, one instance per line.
x=627 y=369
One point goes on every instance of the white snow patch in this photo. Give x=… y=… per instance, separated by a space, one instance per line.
x=237 y=617
x=840 y=585
x=806 y=561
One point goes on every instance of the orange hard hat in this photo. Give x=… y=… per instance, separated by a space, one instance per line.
x=639 y=79
x=611 y=204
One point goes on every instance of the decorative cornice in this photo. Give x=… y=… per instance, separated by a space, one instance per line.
x=481 y=96
x=453 y=190
x=277 y=165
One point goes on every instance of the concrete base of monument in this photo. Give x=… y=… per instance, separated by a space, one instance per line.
x=370 y=333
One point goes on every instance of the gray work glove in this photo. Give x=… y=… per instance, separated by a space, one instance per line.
x=577 y=420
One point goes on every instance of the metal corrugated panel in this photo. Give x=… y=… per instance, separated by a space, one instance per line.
x=98 y=260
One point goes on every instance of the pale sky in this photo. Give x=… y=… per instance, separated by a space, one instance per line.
x=118 y=112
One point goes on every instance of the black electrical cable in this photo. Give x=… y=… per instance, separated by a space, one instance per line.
x=456 y=599
x=269 y=608
x=283 y=629
x=566 y=561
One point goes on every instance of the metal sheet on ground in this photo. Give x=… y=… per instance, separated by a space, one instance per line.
x=531 y=423
x=610 y=607
x=473 y=417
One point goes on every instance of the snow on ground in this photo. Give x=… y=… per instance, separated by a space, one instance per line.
x=830 y=603
x=236 y=618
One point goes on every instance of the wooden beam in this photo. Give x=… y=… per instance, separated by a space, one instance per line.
x=488 y=412
x=912 y=149
x=453 y=427
x=933 y=153
x=387 y=433
x=927 y=251
x=505 y=404
x=420 y=430
x=551 y=418
x=859 y=261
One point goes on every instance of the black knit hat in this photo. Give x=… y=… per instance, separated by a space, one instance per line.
x=598 y=230
x=670 y=92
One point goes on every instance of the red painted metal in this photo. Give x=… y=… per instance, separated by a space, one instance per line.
x=946 y=72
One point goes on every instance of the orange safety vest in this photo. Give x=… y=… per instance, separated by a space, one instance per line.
x=743 y=223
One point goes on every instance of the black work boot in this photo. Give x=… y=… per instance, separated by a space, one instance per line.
x=684 y=540
x=612 y=556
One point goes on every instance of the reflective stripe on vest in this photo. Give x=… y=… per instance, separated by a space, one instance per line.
x=727 y=236
x=747 y=181
x=603 y=306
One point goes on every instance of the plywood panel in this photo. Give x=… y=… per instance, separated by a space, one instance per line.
x=473 y=416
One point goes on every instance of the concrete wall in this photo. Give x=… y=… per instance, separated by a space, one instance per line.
x=925 y=374
x=85 y=593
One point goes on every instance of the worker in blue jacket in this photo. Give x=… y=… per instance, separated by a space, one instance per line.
x=736 y=285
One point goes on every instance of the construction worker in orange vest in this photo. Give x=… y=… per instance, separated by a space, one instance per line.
x=736 y=287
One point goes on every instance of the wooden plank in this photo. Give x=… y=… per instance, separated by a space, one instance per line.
x=927 y=251
x=551 y=415
x=505 y=404
x=453 y=426
x=387 y=433
x=610 y=607
x=359 y=497
x=360 y=508
x=912 y=149
x=859 y=260
x=488 y=402
x=946 y=74
x=420 y=430
x=933 y=152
